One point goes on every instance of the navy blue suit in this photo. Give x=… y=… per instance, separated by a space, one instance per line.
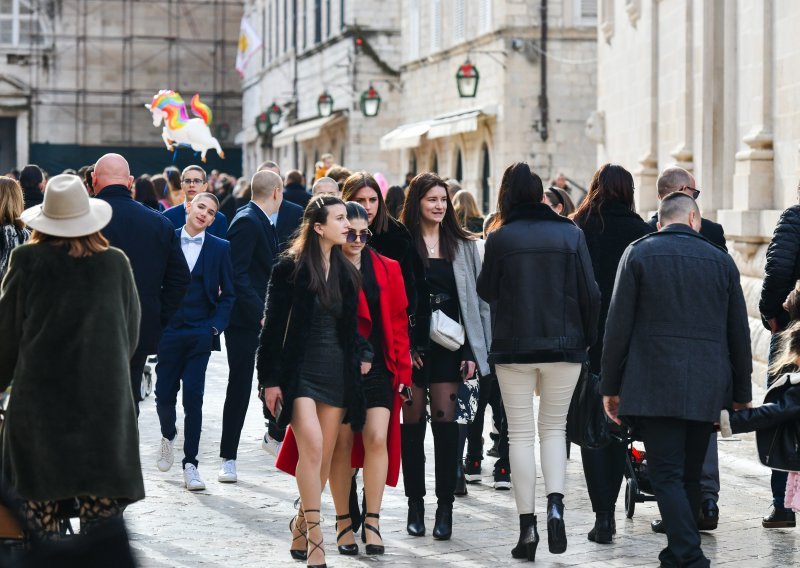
x=190 y=337
x=255 y=244
x=159 y=268
x=219 y=228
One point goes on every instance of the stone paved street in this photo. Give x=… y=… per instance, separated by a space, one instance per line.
x=245 y=524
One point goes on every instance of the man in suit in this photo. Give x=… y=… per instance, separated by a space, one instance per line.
x=254 y=247
x=677 y=179
x=191 y=335
x=294 y=189
x=149 y=241
x=676 y=351
x=194 y=182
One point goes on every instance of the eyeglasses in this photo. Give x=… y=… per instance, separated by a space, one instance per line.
x=195 y=181
x=364 y=236
x=695 y=193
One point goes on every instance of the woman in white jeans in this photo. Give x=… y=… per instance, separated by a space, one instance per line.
x=538 y=278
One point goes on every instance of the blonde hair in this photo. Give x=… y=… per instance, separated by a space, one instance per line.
x=465 y=206
x=11 y=202
x=79 y=247
x=788 y=350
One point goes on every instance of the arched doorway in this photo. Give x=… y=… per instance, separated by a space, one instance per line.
x=486 y=175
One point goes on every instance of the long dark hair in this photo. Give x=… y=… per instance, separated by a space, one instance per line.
x=306 y=252
x=145 y=192
x=519 y=186
x=450 y=232
x=610 y=184
x=358 y=180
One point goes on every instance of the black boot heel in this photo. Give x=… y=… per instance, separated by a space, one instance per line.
x=416 y=517
x=372 y=549
x=443 y=529
x=556 y=531
x=528 y=538
x=603 y=531
x=345 y=549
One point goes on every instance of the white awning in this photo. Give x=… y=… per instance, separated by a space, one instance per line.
x=405 y=136
x=454 y=124
x=303 y=130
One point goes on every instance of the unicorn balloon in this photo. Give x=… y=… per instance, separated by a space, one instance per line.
x=179 y=129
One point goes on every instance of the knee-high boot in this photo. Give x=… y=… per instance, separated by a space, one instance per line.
x=412 y=448
x=445 y=449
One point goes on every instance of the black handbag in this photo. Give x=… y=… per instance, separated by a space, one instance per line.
x=587 y=424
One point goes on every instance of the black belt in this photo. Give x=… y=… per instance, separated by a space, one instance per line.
x=438 y=299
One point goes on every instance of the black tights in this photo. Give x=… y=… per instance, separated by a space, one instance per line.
x=443 y=400
x=42 y=517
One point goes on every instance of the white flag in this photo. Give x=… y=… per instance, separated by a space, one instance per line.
x=249 y=43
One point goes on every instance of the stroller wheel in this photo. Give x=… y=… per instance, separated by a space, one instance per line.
x=631 y=490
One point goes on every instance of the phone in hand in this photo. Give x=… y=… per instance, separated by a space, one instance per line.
x=278 y=409
x=464 y=371
x=405 y=390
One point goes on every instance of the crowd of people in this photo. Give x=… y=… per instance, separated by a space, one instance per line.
x=367 y=311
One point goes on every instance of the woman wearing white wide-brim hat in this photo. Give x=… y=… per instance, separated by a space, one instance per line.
x=69 y=316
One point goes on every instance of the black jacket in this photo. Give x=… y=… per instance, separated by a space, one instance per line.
x=677 y=341
x=776 y=422
x=538 y=278
x=607 y=237
x=159 y=267
x=288 y=317
x=782 y=269
x=32 y=197
x=709 y=229
x=297 y=194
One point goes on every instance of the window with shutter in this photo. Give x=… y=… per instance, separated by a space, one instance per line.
x=585 y=12
x=413 y=29
x=460 y=21
x=485 y=16
x=436 y=25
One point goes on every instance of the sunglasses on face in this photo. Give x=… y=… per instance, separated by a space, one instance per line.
x=693 y=193
x=364 y=236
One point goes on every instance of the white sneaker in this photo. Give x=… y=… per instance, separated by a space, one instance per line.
x=191 y=477
x=166 y=454
x=270 y=444
x=227 y=473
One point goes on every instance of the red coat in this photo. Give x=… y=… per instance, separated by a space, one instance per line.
x=398 y=362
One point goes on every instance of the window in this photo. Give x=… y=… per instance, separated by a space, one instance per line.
x=271 y=35
x=459 y=21
x=585 y=12
x=436 y=25
x=317 y=21
x=305 y=23
x=458 y=173
x=285 y=25
x=413 y=29
x=485 y=16
x=341 y=14
x=20 y=24
x=327 y=18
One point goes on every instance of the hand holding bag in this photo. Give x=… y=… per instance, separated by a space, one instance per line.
x=587 y=424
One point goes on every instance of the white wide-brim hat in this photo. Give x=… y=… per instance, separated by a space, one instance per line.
x=67 y=210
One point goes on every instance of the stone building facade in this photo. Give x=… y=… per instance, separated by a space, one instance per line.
x=712 y=87
x=75 y=75
x=410 y=52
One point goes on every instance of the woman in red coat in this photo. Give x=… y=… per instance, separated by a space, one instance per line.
x=377 y=448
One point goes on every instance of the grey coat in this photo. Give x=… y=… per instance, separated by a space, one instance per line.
x=677 y=340
x=474 y=311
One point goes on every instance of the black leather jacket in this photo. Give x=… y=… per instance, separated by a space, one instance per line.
x=776 y=423
x=782 y=269
x=538 y=278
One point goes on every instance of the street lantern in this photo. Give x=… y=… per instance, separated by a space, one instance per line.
x=262 y=123
x=274 y=114
x=370 y=102
x=325 y=104
x=467 y=80
x=224 y=130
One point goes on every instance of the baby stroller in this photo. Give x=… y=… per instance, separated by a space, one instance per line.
x=638 y=488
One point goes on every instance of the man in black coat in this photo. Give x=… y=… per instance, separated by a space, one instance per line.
x=31 y=179
x=677 y=350
x=255 y=244
x=148 y=239
x=295 y=191
x=677 y=179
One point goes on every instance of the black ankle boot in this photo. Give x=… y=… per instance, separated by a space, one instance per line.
x=556 y=532
x=604 y=528
x=528 y=538
x=443 y=528
x=416 y=517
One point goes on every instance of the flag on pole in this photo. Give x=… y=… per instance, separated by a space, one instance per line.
x=249 y=43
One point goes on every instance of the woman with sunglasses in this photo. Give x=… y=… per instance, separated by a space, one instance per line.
x=385 y=387
x=610 y=223
x=452 y=264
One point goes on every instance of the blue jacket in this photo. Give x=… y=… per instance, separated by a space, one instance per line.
x=211 y=303
x=219 y=228
x=289 y=217
x=159 y=268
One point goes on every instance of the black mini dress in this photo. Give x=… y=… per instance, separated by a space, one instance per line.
x=321 y=376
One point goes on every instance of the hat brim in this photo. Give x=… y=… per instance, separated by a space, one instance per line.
x=98 y=217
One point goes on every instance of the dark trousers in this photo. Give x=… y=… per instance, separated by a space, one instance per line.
x=138 y=361
x=241 y=345
x=182 y=356
x=604 y=470
x=709 y=479
x=675 y=452
x=489 y=396
x=779 y=478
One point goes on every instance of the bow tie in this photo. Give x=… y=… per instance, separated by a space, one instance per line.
x=192 y=240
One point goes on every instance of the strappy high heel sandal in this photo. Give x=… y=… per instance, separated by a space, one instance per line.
x=298 y=553
x=313 y=546
x=346 y=549
x=371 y=549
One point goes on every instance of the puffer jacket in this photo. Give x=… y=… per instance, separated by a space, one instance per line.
x=782 y=269
x=538 y=278
x=776 y=423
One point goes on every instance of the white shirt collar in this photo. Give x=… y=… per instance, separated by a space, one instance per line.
x=201 y=234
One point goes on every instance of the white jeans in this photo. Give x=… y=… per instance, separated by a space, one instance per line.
x=556 y=384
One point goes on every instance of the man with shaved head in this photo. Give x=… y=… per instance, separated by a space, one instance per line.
x=149 y=240
x=676 y=352
x=255 y=237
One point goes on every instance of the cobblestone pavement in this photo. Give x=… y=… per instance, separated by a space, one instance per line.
x=246 y=524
